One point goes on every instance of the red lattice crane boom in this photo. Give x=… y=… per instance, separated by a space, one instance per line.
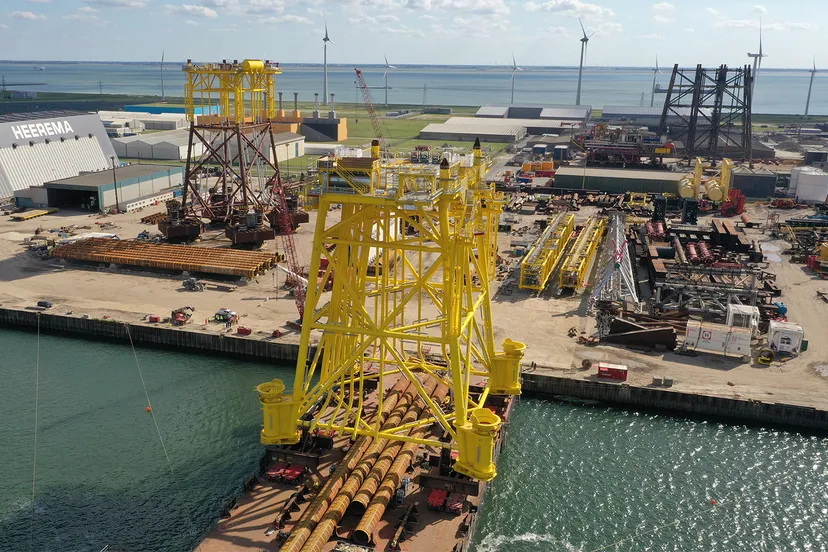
x=369 y=107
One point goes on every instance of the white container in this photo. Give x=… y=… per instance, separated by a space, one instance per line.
x=743 y=316
x=809 y=184
x=785 y=337
x=717 y=339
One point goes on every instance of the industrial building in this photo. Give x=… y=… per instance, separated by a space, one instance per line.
x=618 y=181
x=642 y=116
x=50 y=145
x=526 y=111
x=173 y=146
x=495 y=130
x=126 y=188
x=755 y=183
x=150 y=121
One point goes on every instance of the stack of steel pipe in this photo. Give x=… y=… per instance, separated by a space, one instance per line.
x=326 y=526
x=679 y=250
x=210 y=260
x=311 y=517
x=705 y=253
x=364 y=532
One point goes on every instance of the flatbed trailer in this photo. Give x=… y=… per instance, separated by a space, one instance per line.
x=34 y=213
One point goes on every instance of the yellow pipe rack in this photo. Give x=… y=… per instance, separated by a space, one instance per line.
x=540 y=262
x=577 y=261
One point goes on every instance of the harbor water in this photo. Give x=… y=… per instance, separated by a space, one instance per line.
x=777 y=91
x=583 y=478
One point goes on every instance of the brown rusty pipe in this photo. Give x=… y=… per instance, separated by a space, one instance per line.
x=326 y=526
x=376 y=509
x=679 y=250
x=380 y=469
x=310 y=518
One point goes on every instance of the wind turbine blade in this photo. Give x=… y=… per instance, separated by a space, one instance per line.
x=162 y=58
x=514 y=63
x=386 y=60
x=582 y=27
x=593 y=33
x=760 y=39
x=814 y=64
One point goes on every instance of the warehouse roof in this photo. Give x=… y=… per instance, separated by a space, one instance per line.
x=38 y=115
x=104 y=177
x=492 y=111
x=533 y=111
x=621 y=173
x=492 y=128
x=533 y=123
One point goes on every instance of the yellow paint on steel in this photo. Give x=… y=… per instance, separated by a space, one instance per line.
x=413 y=250
x=244 y=92
x=577 y=261
x=542 y=258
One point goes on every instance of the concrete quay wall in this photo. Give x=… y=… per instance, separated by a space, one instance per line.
x=152 y=336
x=752 y=411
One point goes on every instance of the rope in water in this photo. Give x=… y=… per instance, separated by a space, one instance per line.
x=158 y=431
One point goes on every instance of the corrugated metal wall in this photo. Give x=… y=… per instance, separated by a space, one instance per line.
x=26 y=166
x=615 y=185
x=754 y=185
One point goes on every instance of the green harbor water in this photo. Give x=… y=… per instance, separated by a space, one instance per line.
x=570 y=478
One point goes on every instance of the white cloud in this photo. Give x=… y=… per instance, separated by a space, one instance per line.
x=575 y=8
x=689 y=30
x=761 y=10
x=264 y=6
x=404 y=30
x=190 y=22
x=485 y=7
x=40 y=1
x=191 y=10
x=662 y=19
x=663 y=6
x=288 y=19
x=118 y=3
x=712 y=11
x=2 y=26
x=652 y=36
x=387 y=17
x=27 y=15
x=754 y=24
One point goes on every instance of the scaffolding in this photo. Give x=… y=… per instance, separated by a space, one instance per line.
x=579 y=259
x=713 y=107
x=546 y=254
x=427 y=313
x=706 y=290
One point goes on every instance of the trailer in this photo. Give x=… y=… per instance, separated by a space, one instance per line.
x=707 y=337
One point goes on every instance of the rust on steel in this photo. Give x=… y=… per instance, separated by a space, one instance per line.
x=210 y=260
x=313 y=514
x=392 y=449
x=364 y=532
x=340 y=503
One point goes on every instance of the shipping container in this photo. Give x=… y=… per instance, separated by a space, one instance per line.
x=612 y=371
x=718 y=339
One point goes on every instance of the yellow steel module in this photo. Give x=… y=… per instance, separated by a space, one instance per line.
x=546 y=254
x=577 y=261
x=440 y=225
x=244 y=92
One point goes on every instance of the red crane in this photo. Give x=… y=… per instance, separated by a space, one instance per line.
x=369 y=107
x=284 y=220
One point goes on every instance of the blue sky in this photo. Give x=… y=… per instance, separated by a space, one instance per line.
x=539 y=32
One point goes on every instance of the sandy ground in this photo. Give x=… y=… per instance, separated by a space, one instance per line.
x=541 y=322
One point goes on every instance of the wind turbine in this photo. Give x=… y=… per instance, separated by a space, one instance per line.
x=163 y=96
x=385 y=78
x=584 y=42
x=515 y=69
x=656 y=71
x=757 y=60
x=325 y=64
x=810 y=86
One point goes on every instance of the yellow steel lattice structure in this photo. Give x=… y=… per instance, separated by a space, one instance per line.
x=577 y=261
x=433 y=232
x=244 y=92
x=540 y=261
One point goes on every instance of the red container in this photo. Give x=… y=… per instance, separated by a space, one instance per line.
x=154 y=319
x=244 y=331
x=612 y=371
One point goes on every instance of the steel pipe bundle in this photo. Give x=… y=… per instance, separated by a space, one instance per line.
x=209 y=260
x=376 y=508
x=691 y=253
x=311 y=517
x=704 y=252
x=679 y=250
x=327 y=524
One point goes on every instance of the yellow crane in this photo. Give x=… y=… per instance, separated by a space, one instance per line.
x=429 y=312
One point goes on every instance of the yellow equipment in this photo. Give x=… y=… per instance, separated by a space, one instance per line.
x=576 y=263
x=716 y=188
x=546 y=253
x=428 y=312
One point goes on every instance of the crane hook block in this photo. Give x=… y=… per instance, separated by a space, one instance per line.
x=476 y=441
x=280 y=414
x=504 y=371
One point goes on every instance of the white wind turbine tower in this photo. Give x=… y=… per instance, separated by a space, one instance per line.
x=385 y=78
x=810 y=87
x=656 y=71
x=325 y=64
x=584 y=42
x=757 y=60
x=163 y=96
x=515 y=69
